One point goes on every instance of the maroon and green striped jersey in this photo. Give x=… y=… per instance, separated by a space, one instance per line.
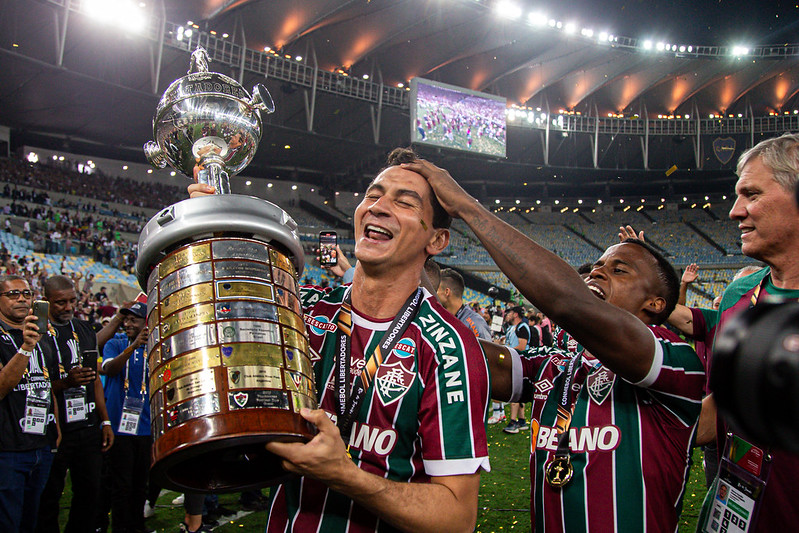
x=423 y=414
x=779 y=508
x=630 y=444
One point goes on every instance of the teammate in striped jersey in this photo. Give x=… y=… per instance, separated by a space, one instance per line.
x=621 y=415
x=418 y=441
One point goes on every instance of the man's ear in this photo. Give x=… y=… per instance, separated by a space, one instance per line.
x=438 y=241
x=655 y=305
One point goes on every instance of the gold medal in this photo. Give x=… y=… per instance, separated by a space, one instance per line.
x=559 y=471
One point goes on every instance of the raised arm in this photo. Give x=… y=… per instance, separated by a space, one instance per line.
x=11 y=373
x=690 y=275
x=112 y=367
x=619 y=339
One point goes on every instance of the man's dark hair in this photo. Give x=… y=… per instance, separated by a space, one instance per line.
x=669 y=281
x=433 y=271
x=398 y=156
x=57 y=283
x=7 y=278
x=453 y=280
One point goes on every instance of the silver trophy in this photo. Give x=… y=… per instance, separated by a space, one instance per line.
x=228 y=353
x=207 y=126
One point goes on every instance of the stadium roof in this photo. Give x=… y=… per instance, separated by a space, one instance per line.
x=92 y=86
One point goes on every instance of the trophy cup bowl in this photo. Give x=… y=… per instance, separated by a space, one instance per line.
x=228 y=353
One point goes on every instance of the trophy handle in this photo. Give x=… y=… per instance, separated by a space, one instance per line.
x=261 y=99
x=216 y=177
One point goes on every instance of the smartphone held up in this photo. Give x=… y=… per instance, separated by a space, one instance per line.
x=328 y=255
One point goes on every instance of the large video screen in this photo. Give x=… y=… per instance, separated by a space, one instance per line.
x=451 y=117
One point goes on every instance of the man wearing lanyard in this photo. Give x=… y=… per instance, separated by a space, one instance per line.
x=612 y=427
x=85 y=427
x=26 y=407
x=768 y=218
x=128 y=401
x=404 y=382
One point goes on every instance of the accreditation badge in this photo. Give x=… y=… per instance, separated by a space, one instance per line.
x=734 y=498
x=131 y=414
x=75 y=400
x=37 y=406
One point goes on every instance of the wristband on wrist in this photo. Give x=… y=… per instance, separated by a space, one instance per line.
x=106 y=423
x=25 y=352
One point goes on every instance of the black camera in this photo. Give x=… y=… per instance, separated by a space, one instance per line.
x=755 y=377
x=493 y=291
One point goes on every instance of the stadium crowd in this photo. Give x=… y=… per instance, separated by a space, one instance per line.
x=591 y=358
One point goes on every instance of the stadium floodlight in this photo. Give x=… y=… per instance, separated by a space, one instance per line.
x=496 y=201
x=518 y=202
x=298 y=58
x=248 y=183
x=690 y=48
x=603 y=36
x=149 y=171
x=557 y=202
x=674 y=48
x=537 y=18
x=660 y=46
x=647 y=45
x=740 y=50
x=173 y=173
x=293 y=187
x=365 y=76
x=682 y=48
x=188 y=32
x=552 y=23
x=122 y=13
x=599 y=201
x=33 y=157
x=508 y=10
x=611 y=38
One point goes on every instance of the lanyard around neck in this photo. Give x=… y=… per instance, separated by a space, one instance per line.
x=350 y=401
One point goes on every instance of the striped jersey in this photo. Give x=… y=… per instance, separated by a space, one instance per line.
x=779 y=508
x=630 y=444
x=423 y=414
x=565 y=341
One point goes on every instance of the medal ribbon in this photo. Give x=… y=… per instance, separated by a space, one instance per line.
x=566 y=408
x=350 y=401
x=757 y=291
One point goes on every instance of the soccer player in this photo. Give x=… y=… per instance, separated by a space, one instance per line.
x=407 y=452
x=612 y=427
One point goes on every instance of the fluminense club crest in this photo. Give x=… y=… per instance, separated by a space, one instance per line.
x=392 y=381
x=599 y=384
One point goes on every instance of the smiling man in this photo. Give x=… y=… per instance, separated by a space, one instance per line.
x=402 y=385
x=612 y=426
x=768 y=218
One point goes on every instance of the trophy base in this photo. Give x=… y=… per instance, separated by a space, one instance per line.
x=220 y=454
